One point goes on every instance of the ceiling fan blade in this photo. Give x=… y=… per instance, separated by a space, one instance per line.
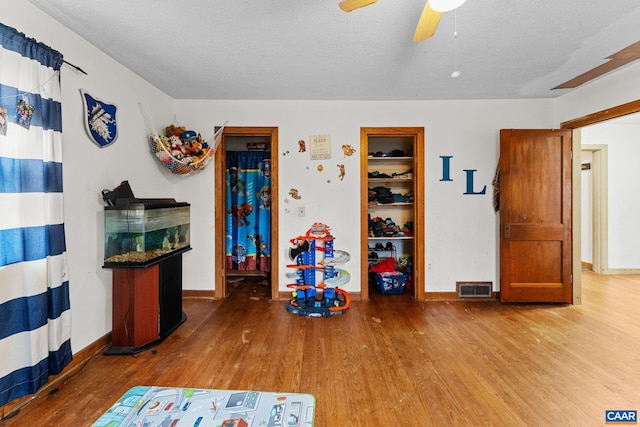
x=349 y=5
x=427 y=24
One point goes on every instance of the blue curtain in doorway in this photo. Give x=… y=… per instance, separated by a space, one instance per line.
x=248 y=245
x=35 y=317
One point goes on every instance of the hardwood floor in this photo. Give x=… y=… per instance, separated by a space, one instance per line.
x=390 y=361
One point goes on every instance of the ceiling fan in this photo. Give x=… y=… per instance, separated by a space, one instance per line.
x=429 y=19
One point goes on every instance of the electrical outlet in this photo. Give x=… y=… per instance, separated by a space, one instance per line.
x=301 y=211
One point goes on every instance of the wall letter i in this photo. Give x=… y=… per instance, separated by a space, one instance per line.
x=446 y=168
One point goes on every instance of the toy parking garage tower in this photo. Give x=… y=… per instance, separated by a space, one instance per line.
x=326 y=298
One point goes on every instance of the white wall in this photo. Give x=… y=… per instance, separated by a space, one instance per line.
x=611 y=90
x=460 y=232
x=460 y=239
x=623 y=141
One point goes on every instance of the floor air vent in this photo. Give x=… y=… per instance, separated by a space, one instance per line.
x=474 y=290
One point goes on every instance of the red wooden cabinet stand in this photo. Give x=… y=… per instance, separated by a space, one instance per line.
x=147 y=304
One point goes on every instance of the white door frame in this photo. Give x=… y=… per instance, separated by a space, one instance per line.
x=600 y=205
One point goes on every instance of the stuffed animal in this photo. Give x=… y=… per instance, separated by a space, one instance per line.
x=181 y=144
x=205 y=146
x=174 y=130
x=203 y=143
x=193 y=148
x=177 y=147
x=162 y=142
x=165 y=158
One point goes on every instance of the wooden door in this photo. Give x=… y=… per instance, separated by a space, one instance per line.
x=535 y=216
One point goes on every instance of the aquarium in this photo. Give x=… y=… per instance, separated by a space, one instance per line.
x=141 y=233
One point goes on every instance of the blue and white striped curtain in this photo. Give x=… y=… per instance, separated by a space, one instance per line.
x=35 y=318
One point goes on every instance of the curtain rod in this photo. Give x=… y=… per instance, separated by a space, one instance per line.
x=75 y=66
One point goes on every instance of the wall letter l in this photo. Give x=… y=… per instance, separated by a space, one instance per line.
x=470 y=173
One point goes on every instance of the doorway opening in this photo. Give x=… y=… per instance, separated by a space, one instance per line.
x=594 y=207
x=246 y=214
x=391 y=157
x=575 y=125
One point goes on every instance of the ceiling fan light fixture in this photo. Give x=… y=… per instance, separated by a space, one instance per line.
x=445 y=5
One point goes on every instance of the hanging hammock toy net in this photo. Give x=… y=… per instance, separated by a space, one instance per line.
x=183 y=151
x=180 y=150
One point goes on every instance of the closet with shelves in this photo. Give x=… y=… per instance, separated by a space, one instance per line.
x=392 y=189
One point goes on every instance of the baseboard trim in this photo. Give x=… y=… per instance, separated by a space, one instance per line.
x=441 y=296
x=621 y=271
x=199 y=294
x=453 y=296
x=428 y=296
x=80 y=359
x=286 y=295
x=356 y=296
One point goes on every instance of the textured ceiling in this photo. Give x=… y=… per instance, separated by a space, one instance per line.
x=303 y=49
